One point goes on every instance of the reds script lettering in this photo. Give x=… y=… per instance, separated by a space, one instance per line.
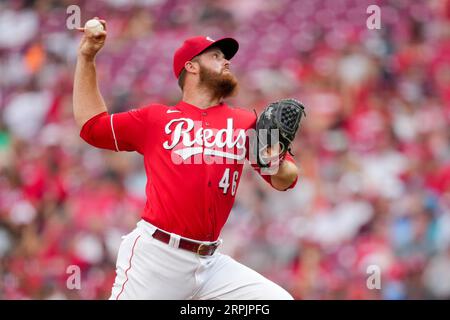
x=204 y=137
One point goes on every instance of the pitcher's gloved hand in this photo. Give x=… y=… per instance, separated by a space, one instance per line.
x=278 y=123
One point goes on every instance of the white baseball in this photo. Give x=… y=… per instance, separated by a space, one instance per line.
x=94 y=26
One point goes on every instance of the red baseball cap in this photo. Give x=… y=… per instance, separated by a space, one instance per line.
x=194 y=46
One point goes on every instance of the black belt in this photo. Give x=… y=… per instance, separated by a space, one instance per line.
x=198 y=248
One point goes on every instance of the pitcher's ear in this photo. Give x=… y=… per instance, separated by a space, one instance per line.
x=192 y=66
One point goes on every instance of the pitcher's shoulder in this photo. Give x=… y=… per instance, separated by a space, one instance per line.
x=246 y=116
x=150 y=109
x=151 y=113
x=154 y=107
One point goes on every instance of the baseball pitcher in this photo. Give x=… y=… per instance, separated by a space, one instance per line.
x=194 y=153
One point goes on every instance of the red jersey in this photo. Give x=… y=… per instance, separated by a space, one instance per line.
x=193 y=159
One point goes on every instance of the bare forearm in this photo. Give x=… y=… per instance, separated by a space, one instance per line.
x=87 y=99
x=286 y=175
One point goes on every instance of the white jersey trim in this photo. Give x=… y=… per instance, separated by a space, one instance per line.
x=114 y=134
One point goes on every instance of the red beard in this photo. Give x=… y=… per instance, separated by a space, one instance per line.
x=222 y=85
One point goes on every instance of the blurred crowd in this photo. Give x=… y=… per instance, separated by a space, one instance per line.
x=374 y=156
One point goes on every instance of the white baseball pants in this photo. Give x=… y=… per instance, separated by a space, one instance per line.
x=150 y=269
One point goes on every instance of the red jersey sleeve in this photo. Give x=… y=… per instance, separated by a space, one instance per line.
x=125 y=131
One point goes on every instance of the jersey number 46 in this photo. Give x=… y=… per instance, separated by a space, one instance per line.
x=225 y=181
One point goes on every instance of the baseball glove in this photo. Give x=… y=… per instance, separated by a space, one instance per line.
x=279 y=122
